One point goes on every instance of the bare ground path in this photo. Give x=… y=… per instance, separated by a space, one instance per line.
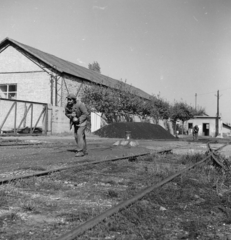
x=195 y=206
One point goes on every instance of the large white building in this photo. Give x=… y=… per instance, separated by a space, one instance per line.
x=30 y=75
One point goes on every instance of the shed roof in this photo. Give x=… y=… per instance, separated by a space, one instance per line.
x=226 y=126
x=69 y=68
x=205 y=117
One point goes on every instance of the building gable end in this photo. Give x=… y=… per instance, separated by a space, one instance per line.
x=11 y=60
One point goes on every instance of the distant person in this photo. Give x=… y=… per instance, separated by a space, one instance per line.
x=195 y=133
x=77 y=112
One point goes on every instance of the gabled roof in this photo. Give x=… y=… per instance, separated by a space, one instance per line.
x=65 y=67
x=226 y=126
x=206 y=117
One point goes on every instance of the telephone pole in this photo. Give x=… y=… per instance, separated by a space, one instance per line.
x=196 y=101
x=217 y=118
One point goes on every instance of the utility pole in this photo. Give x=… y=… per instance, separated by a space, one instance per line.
x=217 y=118
x=196 y=101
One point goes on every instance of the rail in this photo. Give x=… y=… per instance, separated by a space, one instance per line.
x=94 y=221
x=43 y=173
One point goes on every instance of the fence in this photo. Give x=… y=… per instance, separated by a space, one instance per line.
x=23 y=117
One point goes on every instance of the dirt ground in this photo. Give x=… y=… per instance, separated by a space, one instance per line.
x=48 y=152
x=194 y=206
x=185 y=141
x=182 y=145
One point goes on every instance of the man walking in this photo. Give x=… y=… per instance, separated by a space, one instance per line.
x=195 y=133
x=77 y=112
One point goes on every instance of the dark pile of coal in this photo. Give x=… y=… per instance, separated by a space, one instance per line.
x=139 y=130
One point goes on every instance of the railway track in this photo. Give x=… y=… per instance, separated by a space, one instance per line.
x=211 y=155
x=131 y=157
x=83 y=175
x=43 y=173
x=26 y=158
x=57 y=149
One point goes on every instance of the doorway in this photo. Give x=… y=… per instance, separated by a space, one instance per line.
x=206 y=129
x=190 y=128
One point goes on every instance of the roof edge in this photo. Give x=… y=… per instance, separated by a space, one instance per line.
x=35 y=53
x=13 y=42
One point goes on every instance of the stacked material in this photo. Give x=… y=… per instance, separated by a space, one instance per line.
x=139 y=130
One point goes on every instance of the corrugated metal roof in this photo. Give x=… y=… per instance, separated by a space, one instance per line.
x=75 y=70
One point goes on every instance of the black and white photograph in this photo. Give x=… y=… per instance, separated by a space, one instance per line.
x=115 y=121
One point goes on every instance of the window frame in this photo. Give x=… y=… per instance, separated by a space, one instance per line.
x=7 y=92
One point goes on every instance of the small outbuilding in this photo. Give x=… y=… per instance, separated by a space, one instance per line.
x=207 y=126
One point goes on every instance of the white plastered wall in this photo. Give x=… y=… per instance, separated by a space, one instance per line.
x=33 y=84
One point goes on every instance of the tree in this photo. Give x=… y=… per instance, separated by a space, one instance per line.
x=121 y=103
x=160 y=109
x=95 y=67
x=155 y=108
x=116 y=104
x=182 y=111
x=199 y=111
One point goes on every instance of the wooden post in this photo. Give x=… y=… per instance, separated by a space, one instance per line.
x=56 y=91
x=25 y=113
x=52 y=85
x=217 y=118
x=7 y=115
x=31 y=120
x=15 y=118
x=196 y=101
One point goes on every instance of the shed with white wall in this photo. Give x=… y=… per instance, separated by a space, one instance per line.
x=206 y=124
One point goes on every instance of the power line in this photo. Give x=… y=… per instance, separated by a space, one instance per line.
x=205 y=93
x=225 y=89
x=199 y=94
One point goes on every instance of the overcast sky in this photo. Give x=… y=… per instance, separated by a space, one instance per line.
x=173 y=47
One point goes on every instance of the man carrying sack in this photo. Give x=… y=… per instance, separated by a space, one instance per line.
x=195 y=133
x=77 y=112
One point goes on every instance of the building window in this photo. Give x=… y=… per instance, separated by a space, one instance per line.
x=8 y=91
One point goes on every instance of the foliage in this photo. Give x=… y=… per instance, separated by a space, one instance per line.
x=159 y=108
x=94 y=66
x=121 y=103
x=199 y=111
x=114 y=104
x=182 y=111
